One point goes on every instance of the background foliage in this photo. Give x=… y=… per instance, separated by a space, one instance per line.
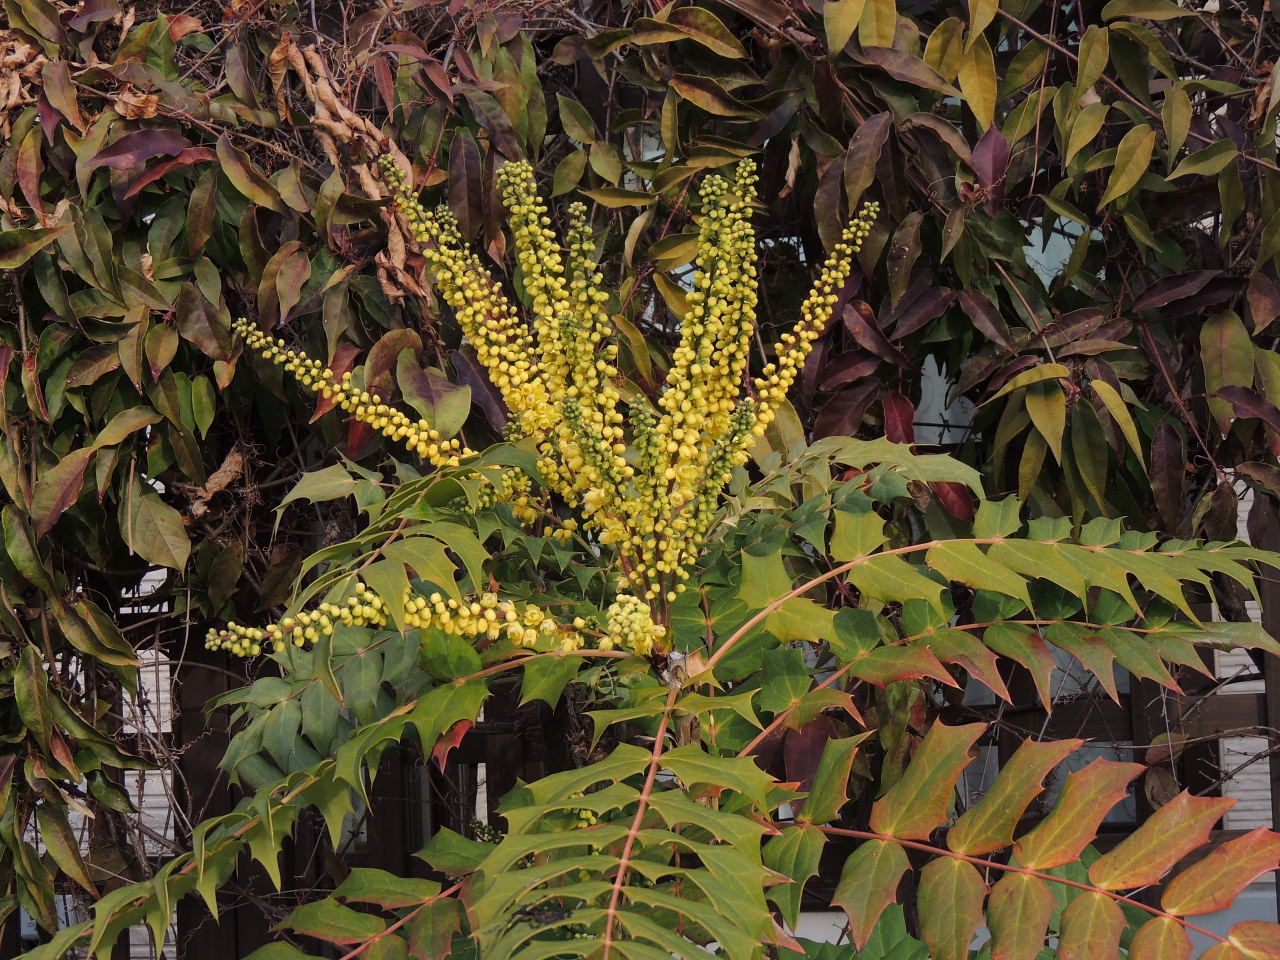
x=166 y=170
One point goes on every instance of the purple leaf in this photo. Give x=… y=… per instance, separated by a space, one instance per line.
x=134 y=148
x=861 y=323
x=986 y=317
x=1168 y=289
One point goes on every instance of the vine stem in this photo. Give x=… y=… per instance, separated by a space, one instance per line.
x=401 y=922
x=1011 y=868
x=624 y=862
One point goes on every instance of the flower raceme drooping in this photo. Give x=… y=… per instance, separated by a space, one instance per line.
x=651 y=491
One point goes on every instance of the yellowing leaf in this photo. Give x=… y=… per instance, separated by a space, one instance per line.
x=1018 y=914
x=1073 y=824
x=945 y=48
x=1095 y=51
x=989 y=824
x=1133 y=158
x=1213 y=883
x=1091 y=925
x=839 y=19
x=1146 y=9
x=1161 y=938
x=1086 y=126
x=950 y=907
x=977 y=79
x=1227 y=356
x=1047 y=405
x=1168 y=835
x=1207 y=162
x=879 y=23
x=1119 y=412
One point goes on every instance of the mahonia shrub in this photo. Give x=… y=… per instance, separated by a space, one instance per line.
x=716 y=593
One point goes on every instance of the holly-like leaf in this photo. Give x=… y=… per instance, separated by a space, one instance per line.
x=1091 y=927
x=330 y=921
x=919 y=801
x=868 y=884
x=989 y=824
x=1214 y=883
x=1168 y=835
x=1018 y=914
x=794 y=853
x=368 y=885
x=1160 y=938
x=950 y=907
x=830 y=786
x=1073 y=824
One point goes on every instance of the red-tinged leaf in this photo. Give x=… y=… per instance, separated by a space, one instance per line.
x=466 y=189
x=990 y=162
x=1168 y=474
x=1073 y=824
x=134 y=148
x=1264 y=302
x=863 y=154
x=451 y=739
x=369 y=885
x=1090 y=649
x=360 y=439
x=61 y=92
x=899 y=418
x=841 y=416
x=868 y=884
x=1160 y=938
x=1092 y=924
x=1223 y=951
x=962 y=649
x=902 y=66
x=986 y=317
x=1249 y=404
x=30 y=167
x=886 y=665
x=958 y=499
x=915 y=805
x=989 y=824
x=380 y=364
x=344 y=359
x=860 y=321
x=184 y=159
x=830 y=785
x=1023 y=645
x=1167 y=290
x=330 y=921
x=58 y=488
x=1018 y=914
x=1256 y=939
x=846 y=368
x=1076 y=325
x=950 y=907
x=914 y=312
x=1214 y=883
x=1147 y=854
x=19 y=246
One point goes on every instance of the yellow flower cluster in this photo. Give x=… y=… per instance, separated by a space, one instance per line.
x=654 y=498
x=629 y=625
x=484 y=617
x=417 y=436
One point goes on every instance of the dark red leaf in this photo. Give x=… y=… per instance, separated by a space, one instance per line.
x=184 y=159
x=134 y=148
x=956 y=498
x=842 y=415
x=899 y=418
x=847 y=367
x=1168 y=289
x=483 y=391
x=986 y=317
x=1011 y=370
x=465 y=187
x=1167 y=473
x=991 y=162
x=1215 y=293
x=1076 y=325
x=914 y=312
x=1247 y=403
x=861 y=323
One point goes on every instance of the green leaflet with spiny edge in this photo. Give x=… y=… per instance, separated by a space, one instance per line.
x=868 y=884
x=989 y=824
x=915 y=805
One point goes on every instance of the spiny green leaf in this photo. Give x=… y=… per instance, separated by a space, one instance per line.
x=868 y=884
x=918 y=803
